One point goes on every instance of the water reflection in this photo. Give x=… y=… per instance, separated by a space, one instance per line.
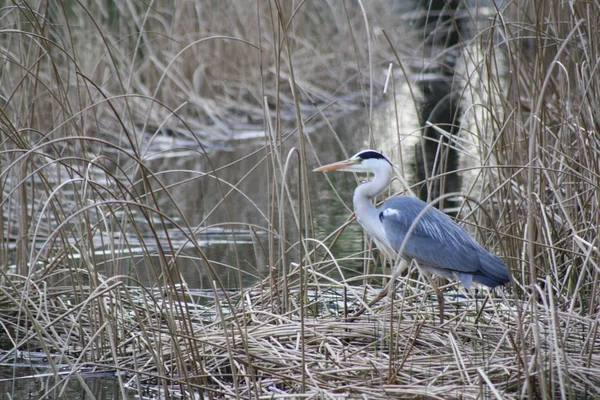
x=27 y=382
x=444 y=28
x=222 y=201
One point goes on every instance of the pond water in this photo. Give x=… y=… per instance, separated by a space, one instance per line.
x=27 y=383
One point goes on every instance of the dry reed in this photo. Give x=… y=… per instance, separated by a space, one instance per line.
x=101 y=107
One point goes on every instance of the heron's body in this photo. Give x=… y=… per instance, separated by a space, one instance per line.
x=408 y=227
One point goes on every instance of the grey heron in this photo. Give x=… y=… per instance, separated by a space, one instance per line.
x=438 y=244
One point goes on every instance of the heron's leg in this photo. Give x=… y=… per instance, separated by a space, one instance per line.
x=441 y=300
x=438 y=294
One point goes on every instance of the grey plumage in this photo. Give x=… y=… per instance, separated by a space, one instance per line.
x=438 y=243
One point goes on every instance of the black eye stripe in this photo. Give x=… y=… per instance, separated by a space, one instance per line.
x=371 y=154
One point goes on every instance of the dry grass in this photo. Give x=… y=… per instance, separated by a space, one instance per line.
x=102 y=106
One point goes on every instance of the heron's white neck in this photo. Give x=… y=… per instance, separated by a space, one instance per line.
x=367 y=190
x=381 y=180
x=366 y=213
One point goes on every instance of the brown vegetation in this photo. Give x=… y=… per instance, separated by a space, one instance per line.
x=98 y=102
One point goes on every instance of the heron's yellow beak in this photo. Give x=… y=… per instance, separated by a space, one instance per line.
x=337 y=165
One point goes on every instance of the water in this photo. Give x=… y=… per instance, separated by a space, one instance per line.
x=23 y=382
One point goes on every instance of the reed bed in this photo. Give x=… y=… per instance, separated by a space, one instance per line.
x=118 y=124
x=253 y=349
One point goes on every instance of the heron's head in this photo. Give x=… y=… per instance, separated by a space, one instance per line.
x=363 y=161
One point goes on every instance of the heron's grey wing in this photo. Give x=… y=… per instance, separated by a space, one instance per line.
x=437 y=241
